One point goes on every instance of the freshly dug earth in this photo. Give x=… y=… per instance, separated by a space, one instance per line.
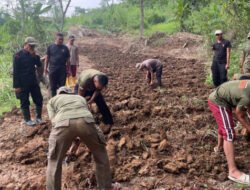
x=162 y=138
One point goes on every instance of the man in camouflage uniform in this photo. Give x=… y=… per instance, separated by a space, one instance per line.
x=233 y=95
x=71 y=118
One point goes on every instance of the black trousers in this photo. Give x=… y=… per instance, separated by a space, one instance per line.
x=219 y=72
x=37 y=98
x=102 y=106
x=57 y=79
x=158 y=73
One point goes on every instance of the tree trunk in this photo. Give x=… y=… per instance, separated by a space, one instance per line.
x=142 y=19
x=64 y=12
x=23 y=17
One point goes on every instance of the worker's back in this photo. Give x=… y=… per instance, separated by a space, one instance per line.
x=65 y=106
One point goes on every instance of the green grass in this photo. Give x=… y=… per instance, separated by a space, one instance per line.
x=7 y=96
x=168 y=28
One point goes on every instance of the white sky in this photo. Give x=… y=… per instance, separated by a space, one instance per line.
x=87 y=4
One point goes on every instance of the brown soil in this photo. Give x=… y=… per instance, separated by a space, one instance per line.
x=162 y=138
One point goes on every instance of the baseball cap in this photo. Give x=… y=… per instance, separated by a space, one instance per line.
x=31 y=41
x=218 y=32
x=65 y=90
x=248 y=36
x=71 y=37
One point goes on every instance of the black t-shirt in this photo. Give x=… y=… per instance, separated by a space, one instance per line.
x=220 y=50
x=57 y=56
x=24 y=69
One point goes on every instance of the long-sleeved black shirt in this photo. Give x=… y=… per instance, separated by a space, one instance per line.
x=24 y=69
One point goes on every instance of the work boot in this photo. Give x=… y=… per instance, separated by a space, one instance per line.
x=67 y=82
x=26 y=115
x=29 y=123
x=74 y=81
x=39 y=120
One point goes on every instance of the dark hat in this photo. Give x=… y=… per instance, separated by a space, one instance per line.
x=31 y=41
x=71 y=37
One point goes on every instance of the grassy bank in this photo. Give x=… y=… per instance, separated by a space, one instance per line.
x=7 y=96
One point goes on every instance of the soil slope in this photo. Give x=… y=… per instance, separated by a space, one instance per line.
x=162 y=138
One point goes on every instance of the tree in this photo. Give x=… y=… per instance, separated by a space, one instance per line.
x=26 y=17
x=79 y=10
x=60 y=8
x=142 y=18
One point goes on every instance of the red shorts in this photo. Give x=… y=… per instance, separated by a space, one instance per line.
x=72 y=70
x=224 y=120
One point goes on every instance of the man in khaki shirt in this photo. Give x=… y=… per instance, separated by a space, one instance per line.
x=90 y=84
x=71 y=118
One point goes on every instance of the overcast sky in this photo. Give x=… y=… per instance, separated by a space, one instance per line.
x=87 y=4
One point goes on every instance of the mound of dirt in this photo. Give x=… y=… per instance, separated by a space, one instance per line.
x=162 y=138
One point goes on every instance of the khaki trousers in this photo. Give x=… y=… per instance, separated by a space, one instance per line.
x=60 y=140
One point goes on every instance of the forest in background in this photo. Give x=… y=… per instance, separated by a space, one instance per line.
x=42 y=18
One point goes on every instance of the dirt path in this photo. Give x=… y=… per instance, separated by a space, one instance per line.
x=162 y=139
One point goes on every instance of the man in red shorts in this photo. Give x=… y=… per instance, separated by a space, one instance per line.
x=231 y=95
x=74 y=62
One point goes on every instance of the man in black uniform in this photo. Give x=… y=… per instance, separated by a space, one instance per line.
x=221 y=59
x=55 y=64
x=25 y=82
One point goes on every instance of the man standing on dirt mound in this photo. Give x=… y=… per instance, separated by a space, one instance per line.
x=221 y=59
x=90 y=84
x=231 y=95
x=55 y=64
x=25 y=82
x=74 y=62
x=152 y=66
x=71 y=118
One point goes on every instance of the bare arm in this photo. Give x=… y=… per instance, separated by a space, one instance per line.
x=46 y=71
x=242 y=59
x=68 y=62
x=81 y=91
x=51 y=111
x=77 y=57
x=228 y=58
x=241 y=117
x=93 y=97
x=152 y=76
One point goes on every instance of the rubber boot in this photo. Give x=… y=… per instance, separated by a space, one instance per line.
x=39 y=115
x=67 y=82
x=73 y=82
x=39 y=112
x=70 y=81
x=26 y=114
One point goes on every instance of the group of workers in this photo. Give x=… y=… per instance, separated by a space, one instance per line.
x=70 y=109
